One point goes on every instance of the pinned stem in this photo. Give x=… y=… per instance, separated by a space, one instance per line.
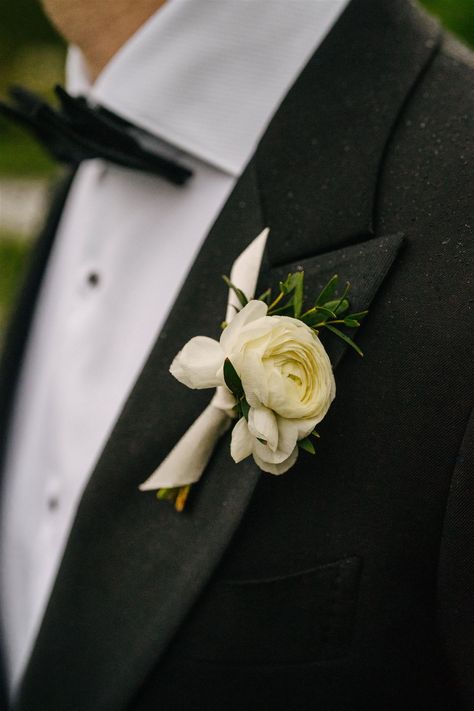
x=177 y=496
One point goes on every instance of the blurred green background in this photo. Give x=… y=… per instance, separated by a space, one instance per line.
x=31 y=53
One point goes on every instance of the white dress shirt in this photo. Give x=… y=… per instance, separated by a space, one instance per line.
x=206 y=77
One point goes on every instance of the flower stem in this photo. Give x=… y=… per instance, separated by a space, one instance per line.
x=182 y=497
x=276 y=301
x=177 y=496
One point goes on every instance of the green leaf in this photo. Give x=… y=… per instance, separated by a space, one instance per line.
x=245 y=407
x=292 y=282
x=359 y=315
x=313 y=318
x=266 y=296
x=345 y=338
x=328 y=291
x=307 y=445
x=282 y=309
x=351 y=322
x=339 y=306
x=298 y=281
x=343 y=297
x=238 y=292
x=167 y=494
x=287 y=286
x=232 y=380
x=317 y=317
x=327 y=313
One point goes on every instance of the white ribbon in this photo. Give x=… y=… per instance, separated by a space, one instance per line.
x=189 y=458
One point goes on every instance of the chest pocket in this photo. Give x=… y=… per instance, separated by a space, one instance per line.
x=299 y=618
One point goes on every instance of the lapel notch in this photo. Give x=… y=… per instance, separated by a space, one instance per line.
x=321 y=159
x=364 y=265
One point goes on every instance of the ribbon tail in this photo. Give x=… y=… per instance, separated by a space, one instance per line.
x=188 y=459
x=245 y=271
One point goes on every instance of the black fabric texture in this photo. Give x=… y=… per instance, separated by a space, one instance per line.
x=456 y=571
x=345 y=585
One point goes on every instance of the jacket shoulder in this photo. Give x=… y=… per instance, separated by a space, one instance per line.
x=427 y=177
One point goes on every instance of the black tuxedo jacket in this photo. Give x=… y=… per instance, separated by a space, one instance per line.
x=348 y=583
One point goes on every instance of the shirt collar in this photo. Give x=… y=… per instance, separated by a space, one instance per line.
x=208 y=75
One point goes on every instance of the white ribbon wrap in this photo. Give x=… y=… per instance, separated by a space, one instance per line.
x=188 y=459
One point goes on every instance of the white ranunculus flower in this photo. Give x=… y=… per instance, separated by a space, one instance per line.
x=286 y=376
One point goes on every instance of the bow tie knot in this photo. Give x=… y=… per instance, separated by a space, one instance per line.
x=78 y=131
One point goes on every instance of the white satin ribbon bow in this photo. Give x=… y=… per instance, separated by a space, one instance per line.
x=189 y=458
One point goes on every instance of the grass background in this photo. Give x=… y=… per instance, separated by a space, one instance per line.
x=32 y=54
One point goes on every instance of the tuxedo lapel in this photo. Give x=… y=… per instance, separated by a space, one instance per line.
x=364 y=266
x=320 y=160
x=133 y=567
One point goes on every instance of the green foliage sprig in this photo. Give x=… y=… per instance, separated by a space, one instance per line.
x=327 y=311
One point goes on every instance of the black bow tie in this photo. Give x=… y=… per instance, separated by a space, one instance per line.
x=78 y=131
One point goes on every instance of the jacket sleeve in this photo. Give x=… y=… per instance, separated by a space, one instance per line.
x=456 y=572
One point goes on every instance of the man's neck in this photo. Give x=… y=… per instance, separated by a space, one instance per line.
x=99 y=27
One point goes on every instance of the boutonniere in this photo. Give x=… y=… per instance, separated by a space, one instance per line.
x=273 y=376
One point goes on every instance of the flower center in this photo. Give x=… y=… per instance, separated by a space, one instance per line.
x=295 y=378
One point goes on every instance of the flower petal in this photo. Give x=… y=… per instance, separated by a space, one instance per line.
x=305 y=427
x=263 y=425
x=254 y=377
x=242 y=441
x=199 y=364
x=287 y=440
x=254 y=310
x=277 y=469
x=287 y=435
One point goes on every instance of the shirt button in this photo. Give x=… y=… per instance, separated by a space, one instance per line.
x=53 y=503
x=93 y=279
